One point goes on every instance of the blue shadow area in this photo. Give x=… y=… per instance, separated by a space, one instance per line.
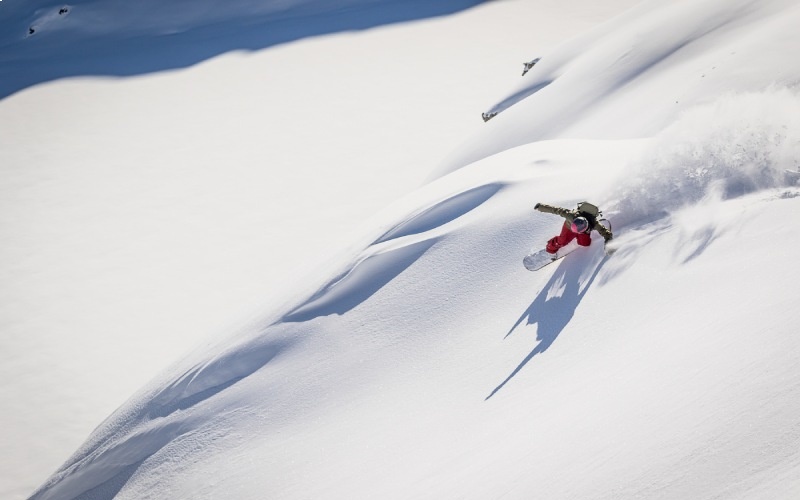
x=120 y=446
x=359 y=283
x=209 y=379
x=554 y=314
x=444 y=212
x=45 y=57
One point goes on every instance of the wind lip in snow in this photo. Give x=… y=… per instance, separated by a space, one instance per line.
x=392 y=253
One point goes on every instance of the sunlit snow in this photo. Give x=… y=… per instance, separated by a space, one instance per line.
x=414 y=356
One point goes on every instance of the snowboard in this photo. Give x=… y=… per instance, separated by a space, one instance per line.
x=539 y=259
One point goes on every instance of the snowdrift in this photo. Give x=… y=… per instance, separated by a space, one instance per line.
x=428 y=363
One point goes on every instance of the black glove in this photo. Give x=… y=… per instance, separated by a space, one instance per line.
x=536 y=207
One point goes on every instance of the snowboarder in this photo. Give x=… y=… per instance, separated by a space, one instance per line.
x=578 y=225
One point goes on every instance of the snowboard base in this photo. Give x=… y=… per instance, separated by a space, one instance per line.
x=541 y=258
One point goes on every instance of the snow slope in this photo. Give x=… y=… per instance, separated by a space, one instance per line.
x=427 y=363
x=139 y=216
x=636 y=74
x=42 y=40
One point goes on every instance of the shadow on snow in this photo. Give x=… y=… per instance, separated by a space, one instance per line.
x=553 y=313
x=47 y=56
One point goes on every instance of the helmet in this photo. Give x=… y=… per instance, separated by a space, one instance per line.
x=579 y=225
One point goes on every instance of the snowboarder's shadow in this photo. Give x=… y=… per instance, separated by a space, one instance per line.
x=555 y=305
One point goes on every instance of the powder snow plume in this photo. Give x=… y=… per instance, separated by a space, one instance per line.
x=736 y=145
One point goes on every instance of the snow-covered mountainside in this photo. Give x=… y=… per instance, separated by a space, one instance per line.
x=426 y=362
x=42 y=40
x=141 y=215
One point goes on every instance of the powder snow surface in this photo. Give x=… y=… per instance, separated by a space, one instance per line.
x=424 y=361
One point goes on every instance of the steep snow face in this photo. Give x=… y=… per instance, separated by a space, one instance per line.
x=85 y=19
x=635 y=75
x=433 y=365
x=140 y=215
x=429 y=364
x=41 y=40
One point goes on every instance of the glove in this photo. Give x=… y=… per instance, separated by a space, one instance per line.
x=536 y=207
